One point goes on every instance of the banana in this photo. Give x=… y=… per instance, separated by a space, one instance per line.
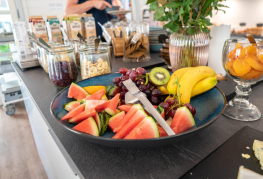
x=171 y=85
x=191 y=78
x=163 y=90
x=206 y=84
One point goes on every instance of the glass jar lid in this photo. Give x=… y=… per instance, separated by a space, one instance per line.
x=63 y=48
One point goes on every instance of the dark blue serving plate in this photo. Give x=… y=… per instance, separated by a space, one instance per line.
x=209 y=106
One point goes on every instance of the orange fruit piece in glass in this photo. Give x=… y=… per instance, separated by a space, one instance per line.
x=254 y=62
x=251 y=50
x=260 y=55
x=252 y=74
x=229 y=67
x=241 y=67
x=235 y=53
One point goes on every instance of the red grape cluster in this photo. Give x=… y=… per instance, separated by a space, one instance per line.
x=139 y=77
x=171 y=104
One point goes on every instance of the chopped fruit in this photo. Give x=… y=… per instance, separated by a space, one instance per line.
x=111 y=109
x=115 y=120
x=96 y=96
x=71 y=105
x=133 y=122
x=125 y=108
x=254 y=62
x=98 y=121
x=93 y=89
x=75 y=91
x=260 y=56
x=144 y=130
x=113 y=91
x=105 y=121
x=252 y=74
x=160 y=110
x=249 y=50
x=235 y=53
x=117 y=111
x=98 y=105
x=127 y=117
x=88 y=126
x=74 y=112
x=182 y=120
x=159 y=76
x=162 y=132
x=241 y=67
x=82 y=116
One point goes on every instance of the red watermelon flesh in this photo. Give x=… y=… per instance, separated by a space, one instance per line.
x=71 y=105
x=125 y=107
x=133 y=122
x=88 y=126
x=82 y=116
x=115 y=120
x=111 y=109
x=74 y=112
x=183 y=120
x=128 y=116
x=96 y=96
x=75 y=91
x=98 y=105
x=146 y=129
x=162 y=132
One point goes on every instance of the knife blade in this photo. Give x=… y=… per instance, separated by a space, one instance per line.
x=133 y=89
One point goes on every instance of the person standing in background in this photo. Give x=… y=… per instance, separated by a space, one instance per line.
x=94 y=7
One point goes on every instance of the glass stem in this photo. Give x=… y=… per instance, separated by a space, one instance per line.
x=241 y=99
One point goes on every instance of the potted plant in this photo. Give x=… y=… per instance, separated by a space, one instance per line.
x=188 y=22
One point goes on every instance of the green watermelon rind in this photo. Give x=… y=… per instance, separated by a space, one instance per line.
x=108 y=88
x=189 y=114
x=68 y=106
x=80 y=88
x=105 y=121
x=98 y=121
x=155 y=126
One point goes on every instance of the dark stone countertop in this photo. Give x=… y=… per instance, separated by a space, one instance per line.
x=89 y=160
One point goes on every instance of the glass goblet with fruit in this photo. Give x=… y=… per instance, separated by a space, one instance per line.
x=243 y=62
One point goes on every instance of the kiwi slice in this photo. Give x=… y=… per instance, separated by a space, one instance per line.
x=159 y=76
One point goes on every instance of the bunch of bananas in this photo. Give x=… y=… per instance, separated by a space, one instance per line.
x=193 y=81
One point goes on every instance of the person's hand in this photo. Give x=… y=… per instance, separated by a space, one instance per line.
x=101 y=5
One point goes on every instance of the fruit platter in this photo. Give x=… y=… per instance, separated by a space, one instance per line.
x=95 y=109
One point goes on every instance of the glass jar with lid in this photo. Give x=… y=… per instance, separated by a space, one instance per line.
x=44 y=54
x=38 y=53
x=94 y=63
x=62 y=66
x=76 y=44
x=136 y=42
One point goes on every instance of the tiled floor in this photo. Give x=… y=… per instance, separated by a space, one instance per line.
x=19 y=158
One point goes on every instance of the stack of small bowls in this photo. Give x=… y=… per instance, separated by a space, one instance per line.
x=154 y=33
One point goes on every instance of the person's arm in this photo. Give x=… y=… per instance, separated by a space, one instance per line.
x=73 y=7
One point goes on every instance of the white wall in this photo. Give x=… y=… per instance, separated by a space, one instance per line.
x=40 y=7
x=249 y=11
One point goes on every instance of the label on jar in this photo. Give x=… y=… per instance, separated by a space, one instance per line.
x=136 y=37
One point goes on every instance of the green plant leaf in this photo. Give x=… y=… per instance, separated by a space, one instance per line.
x=173 y=4
x=190 y=30
x=153 y=6
x=181 y=10
x=163 y=18
x=205 y=30
x=196 y=3
x=170 y=25
x=158 y=13
x=150 y=1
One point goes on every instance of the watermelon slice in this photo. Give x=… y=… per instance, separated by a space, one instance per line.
x=128 y=116
x=74 y=112
x=111 y=109
x=161 y=111
x=133 y=122
x=96 y=96
x=75 y=91
x=82 y=116
x=183 y=120
x=125 y=107
x=98 y=105
x=71 y=105
x=88 y=126
x=162 y=132
x=97 y=118
x=116 y=120
x=144 y=130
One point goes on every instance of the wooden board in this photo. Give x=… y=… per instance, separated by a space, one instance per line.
x=225 y=161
